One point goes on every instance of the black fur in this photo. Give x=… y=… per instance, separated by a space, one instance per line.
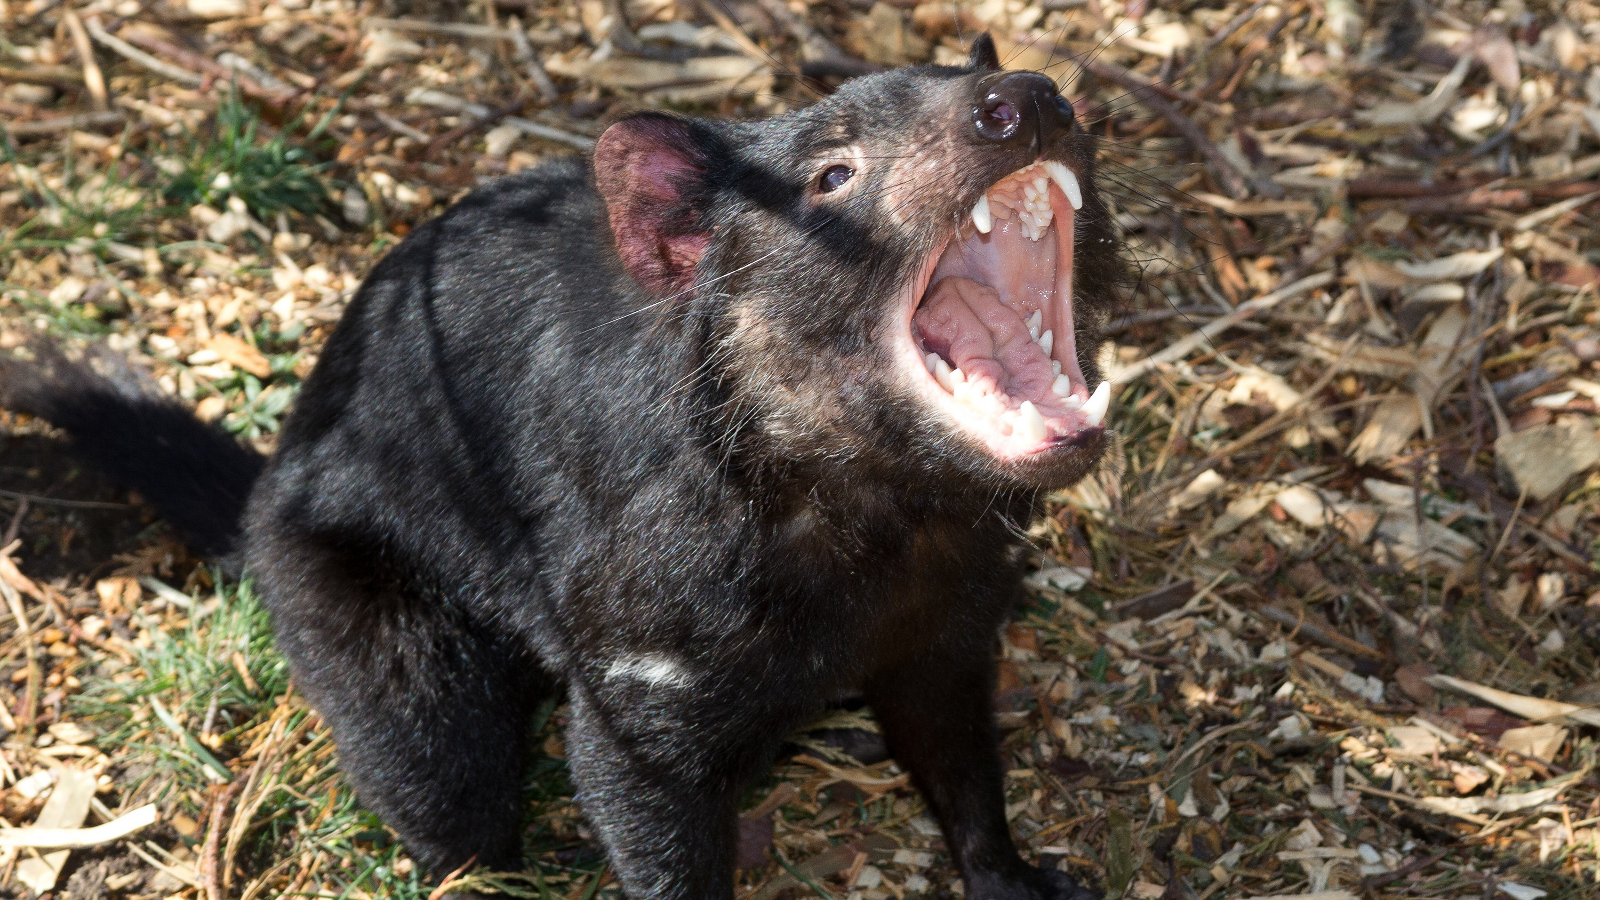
x=198 y=477
x=664 y=463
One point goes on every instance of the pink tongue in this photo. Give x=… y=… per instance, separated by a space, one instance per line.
x=988 y=340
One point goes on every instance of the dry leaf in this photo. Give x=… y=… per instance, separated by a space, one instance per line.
x=1393 y=423
x=1538 y=741
x=238 y=353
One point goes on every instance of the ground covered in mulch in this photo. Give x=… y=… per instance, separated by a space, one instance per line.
x=1326 y=625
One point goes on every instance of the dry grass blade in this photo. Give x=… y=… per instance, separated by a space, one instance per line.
x=79 y=838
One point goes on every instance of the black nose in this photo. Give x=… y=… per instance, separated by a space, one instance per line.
x=1020 y=108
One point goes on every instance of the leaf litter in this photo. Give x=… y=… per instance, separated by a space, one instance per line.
x=1324 y=626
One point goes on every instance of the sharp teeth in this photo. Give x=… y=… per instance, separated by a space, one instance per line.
x=1062 y=386
x=1046 y=341
x=981 y=218
x=941 y=373
x=1031 y=422
x=1069 y=182
x=931 y=360
x=1094 y=410
x=958 y=376
x=1035 y=322
x=1055 y=366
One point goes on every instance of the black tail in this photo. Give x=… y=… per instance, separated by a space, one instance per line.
x=198 y=477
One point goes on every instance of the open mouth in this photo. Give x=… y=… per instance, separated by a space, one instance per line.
x=990 y=320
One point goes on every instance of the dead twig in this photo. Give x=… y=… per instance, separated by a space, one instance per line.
x=92 y=78
x=1232 y=176
x=79 y=838
x=211 y=879
x=476 y=124
x=134 y=54
x=1374 y=882
x=83 y=121
x=1211 y=330
x=247 y=85
x=1316 y=632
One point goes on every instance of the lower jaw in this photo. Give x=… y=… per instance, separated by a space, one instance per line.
x=1062 y=464
x=1065 y=436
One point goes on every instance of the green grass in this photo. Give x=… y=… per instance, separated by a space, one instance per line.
x=302 y=817
x=270 y=176
x=255 y=410
x=149 y=711
x=116 y=209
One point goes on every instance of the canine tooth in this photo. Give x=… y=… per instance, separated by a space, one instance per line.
x=1094 y=409
x=1035 y=321
x=1069 y=182
x=958 y=376
x=941 y=373
x=1062 y=386
x=1031 y=421
x=1046 y=341
x=982 y=219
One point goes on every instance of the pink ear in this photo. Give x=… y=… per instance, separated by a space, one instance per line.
x=647 y=167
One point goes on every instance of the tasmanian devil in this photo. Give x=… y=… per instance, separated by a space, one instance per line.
x=741 y=419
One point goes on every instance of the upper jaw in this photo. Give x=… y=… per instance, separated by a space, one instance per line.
x=987 y=334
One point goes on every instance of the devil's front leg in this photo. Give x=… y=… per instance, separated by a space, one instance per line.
x=937 y=712
x=659 y=755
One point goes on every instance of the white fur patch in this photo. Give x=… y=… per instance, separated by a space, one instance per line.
x=651 y=668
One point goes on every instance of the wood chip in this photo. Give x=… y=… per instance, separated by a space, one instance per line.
x=66 y=809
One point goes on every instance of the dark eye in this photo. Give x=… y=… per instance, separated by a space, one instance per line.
x=834 y=177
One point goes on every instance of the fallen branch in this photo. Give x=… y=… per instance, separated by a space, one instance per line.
x=1550 y=212
x=65 y=123
x=529 y=57
x=1315 y=632
x=1227 y=31
x=79 y=838
x=92 y=77
x=1476 y=201
x=456 y=29
x=210 y=852
x=1131 y=651
x=247 y=85
x=1405 y=188
x=134 y=54
x=477 y=123
x=1232 y=176
x=61 y=76
x=441 y=100
x=1373 y=882
x=1212 y=329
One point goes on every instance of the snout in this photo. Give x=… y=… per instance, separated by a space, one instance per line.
x=1020 y=110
